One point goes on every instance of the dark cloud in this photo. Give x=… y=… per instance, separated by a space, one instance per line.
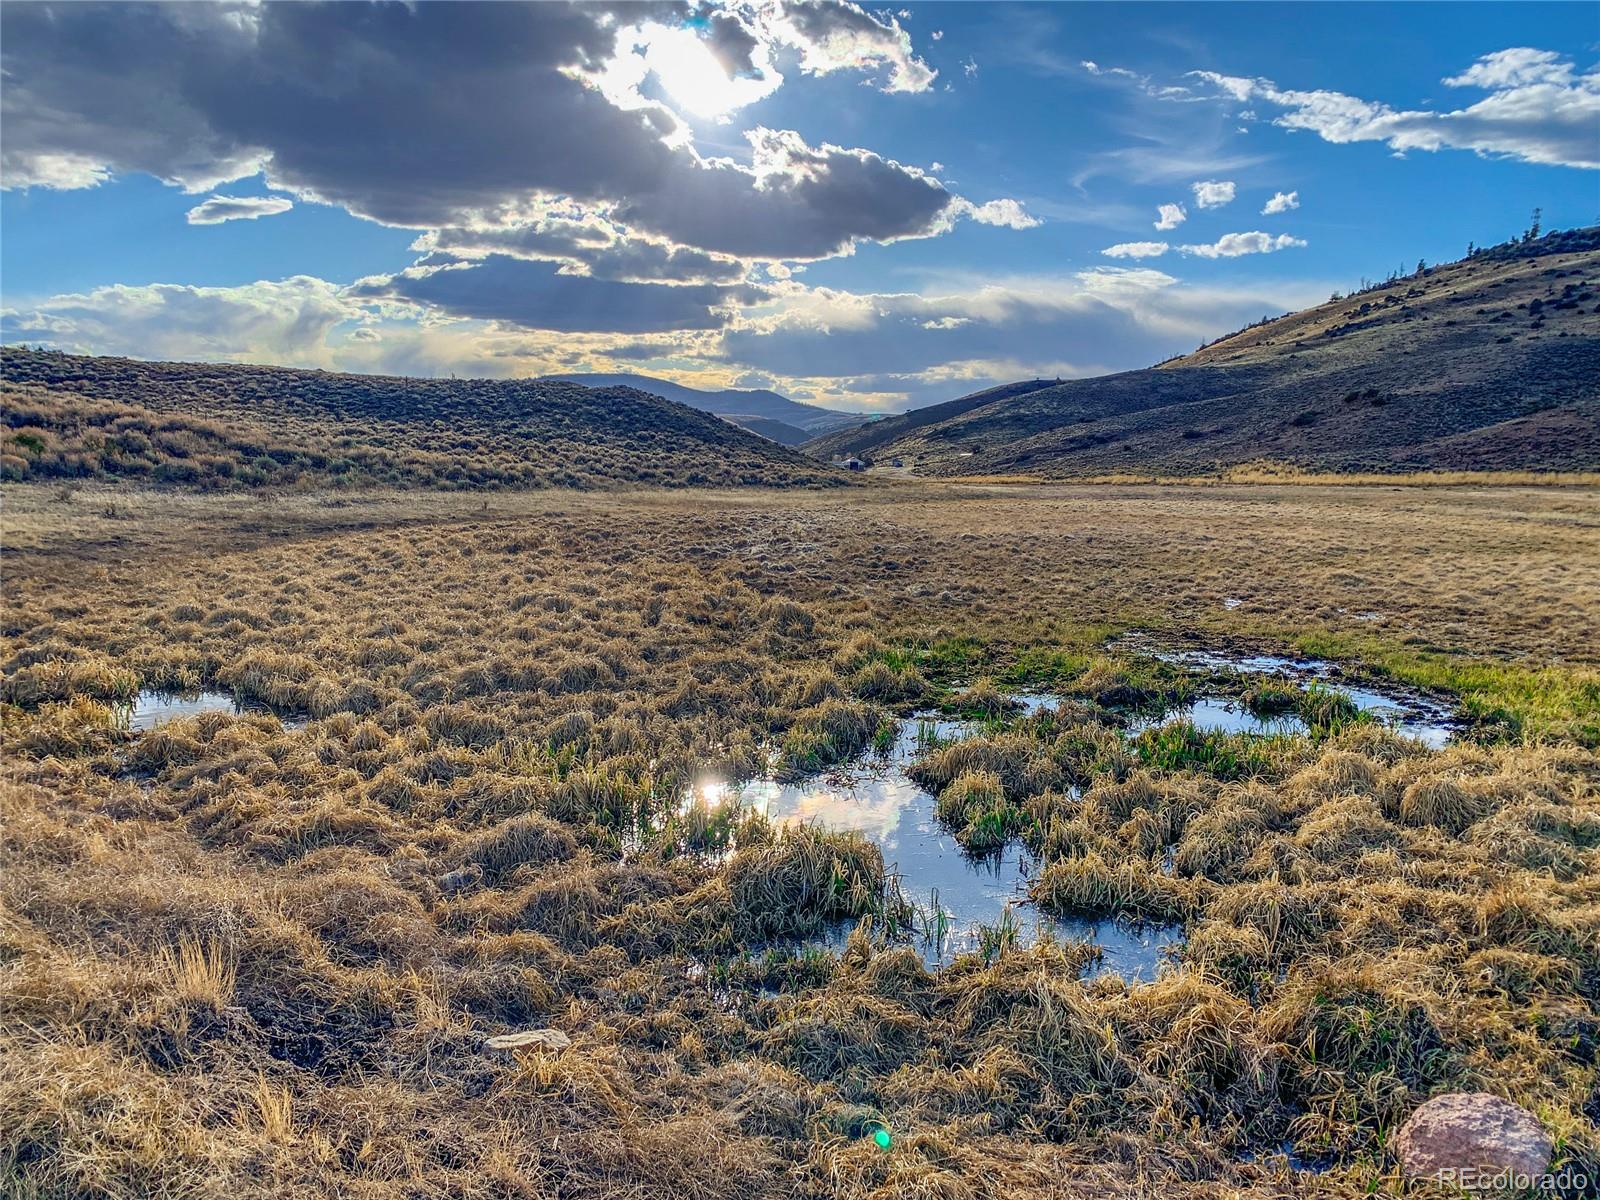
x=432 y=115
x=731 y=44
x=809 y=197
x=536 y=295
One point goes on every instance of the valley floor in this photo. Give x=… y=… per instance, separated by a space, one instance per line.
x=259 y=953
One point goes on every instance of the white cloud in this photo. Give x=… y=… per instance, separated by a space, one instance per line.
x=832 y=35
x=1517 y=67
x=1213 y=193
x=963 y=334
x=217 y=209
x=1007 y=213
x=64 y=172
x=1281 y=202
x=1539 y=109
x=1232 y=245
x=1136 y=250
x=1170 y=216
x=287 y=321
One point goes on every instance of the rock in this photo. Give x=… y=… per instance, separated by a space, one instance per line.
x=528 y=1039
x=458 y=881
x=1463 y=1134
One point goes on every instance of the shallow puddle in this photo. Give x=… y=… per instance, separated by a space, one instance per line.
x=151 y=709
x=1216 y=714
x=1428 y=720
x=874 y=797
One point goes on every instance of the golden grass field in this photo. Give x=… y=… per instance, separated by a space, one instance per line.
x=249 y=959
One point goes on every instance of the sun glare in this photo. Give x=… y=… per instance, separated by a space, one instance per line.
x=692 y=76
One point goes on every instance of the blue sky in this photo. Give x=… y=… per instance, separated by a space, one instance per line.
x=867 y=208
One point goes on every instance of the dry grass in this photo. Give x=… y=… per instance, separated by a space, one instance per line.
x=258 y=959
x=221 y=427
x=1289 y=473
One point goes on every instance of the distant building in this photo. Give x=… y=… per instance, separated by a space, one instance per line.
x=853 y=464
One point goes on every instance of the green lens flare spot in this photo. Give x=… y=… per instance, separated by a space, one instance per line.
x=882 y=1138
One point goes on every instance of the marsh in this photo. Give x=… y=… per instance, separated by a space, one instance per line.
x=278 y=950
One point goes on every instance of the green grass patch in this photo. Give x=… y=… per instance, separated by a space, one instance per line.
x=1501 y=699
x=1180 y=746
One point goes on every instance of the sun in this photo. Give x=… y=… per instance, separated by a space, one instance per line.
x=691 y=75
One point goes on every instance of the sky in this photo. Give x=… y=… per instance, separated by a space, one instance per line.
x=866 y=208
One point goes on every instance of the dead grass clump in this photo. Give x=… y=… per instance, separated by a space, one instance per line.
x=803 y=880
x=533 y=839
x=844 y=1032
x=984 y=701
x=1337 y=831
x=79 y=726
x=1130 y=887
x=1337 y=773
x=1020 y=763
x=1235 y=953
x=200 y=972
x=1537 y=837
x=1520 y=975
x=359 y=916
x=1077 y=1075
x=1360 y=1045
x=1216 y=841
x=1519 y=916
x=572 y=728
x=888 y=684
x=787 y=617
x=1200 y=1040
x=830 y=733
x=971 y=796
x=1443 y=802
x=1119 y=799
x=59 y=679
x=763 y=1098
x=1289 y=917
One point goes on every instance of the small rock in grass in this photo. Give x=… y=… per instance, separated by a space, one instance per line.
x=528 y=1039
x=459 y=881
x=1474 y=1133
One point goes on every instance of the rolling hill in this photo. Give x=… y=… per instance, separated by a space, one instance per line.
x=1492 y=362
x=207 y=425
x=735 y=405
x=778 y=431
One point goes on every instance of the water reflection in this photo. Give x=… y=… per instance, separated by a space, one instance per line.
x=151 y=709
x=956 y=895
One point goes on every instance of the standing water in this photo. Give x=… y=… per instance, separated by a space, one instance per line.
x=873 y=796
x=151 y=709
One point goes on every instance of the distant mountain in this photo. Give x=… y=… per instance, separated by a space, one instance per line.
x=729 y=402
x=1492 y=362
x=205 y=425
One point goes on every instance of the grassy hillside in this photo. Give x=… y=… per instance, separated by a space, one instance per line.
x=865 y=439
x=778 y=431
x=1490 y=363
x=733 y=403
x=217 y=426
